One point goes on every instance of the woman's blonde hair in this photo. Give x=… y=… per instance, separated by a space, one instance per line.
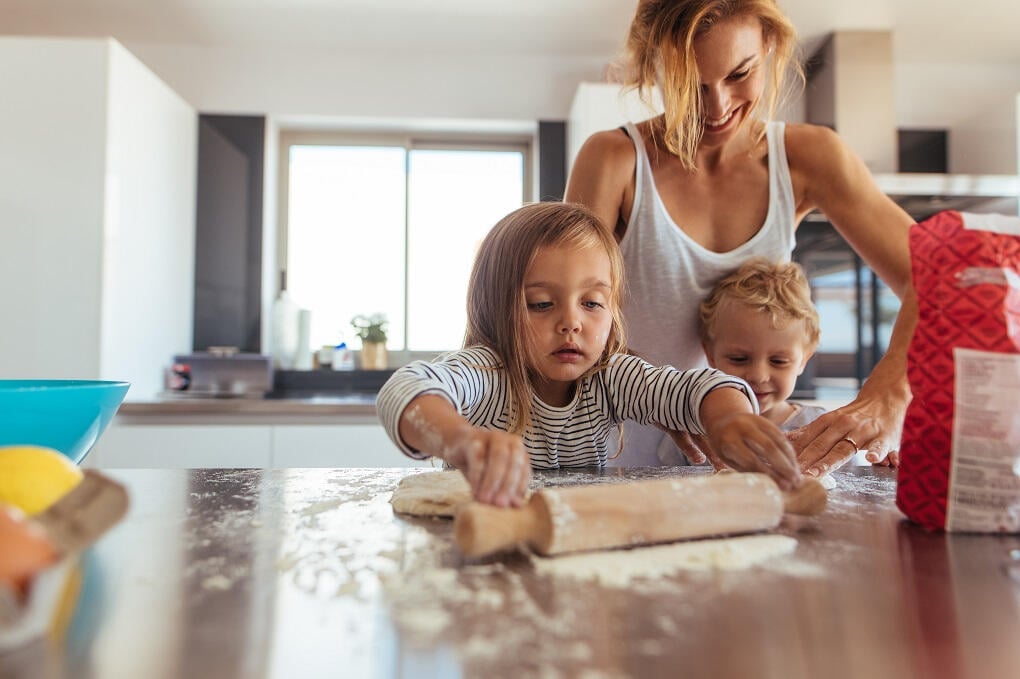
x=660 y=51
x=497 y=315
x=780 y=290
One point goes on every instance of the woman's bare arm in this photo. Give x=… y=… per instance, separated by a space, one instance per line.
x=837 y=182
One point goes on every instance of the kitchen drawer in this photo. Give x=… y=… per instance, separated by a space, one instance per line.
x=153 y=446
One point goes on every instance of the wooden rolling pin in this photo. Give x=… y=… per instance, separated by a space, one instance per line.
x=603 y=516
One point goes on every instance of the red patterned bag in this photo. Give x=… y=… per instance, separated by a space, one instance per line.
x=960 y=453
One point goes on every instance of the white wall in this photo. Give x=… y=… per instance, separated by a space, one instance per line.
x=52 y=162
x=285 y=82
x=976 y=102
x=97 y=183
x=149 y=238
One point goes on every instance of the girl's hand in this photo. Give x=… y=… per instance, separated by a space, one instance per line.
x=495 y=463
x=750 y=443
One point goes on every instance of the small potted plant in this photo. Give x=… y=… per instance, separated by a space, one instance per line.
x=372 y=331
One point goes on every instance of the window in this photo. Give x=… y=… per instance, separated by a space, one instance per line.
x=391 y=225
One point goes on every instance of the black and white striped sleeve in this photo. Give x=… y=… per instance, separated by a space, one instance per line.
x=460 y=377
x=664 y=395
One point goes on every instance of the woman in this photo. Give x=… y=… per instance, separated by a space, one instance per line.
x=695 y=192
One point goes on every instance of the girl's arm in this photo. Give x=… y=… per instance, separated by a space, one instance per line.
x=835 y=180
x=702 y=401
x=495 y=463
x=745 y=441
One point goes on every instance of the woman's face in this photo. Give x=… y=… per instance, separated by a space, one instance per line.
x=731 y=67
x=568 y=292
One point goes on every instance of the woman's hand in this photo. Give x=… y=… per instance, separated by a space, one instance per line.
x=495 y=463
x=869 y=423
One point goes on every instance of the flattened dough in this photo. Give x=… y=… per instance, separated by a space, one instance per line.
x=431 y=493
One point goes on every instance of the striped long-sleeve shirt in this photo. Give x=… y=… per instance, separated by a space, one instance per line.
x=575 y=435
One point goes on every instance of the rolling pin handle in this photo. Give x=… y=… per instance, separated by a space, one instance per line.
x=482 y=529
x=808 y=499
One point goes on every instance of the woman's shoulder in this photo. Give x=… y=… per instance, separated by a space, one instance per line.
x=809 y=143
x=612 y=146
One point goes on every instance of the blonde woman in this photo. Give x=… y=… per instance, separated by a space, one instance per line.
x=693 y=193
x=543 y=380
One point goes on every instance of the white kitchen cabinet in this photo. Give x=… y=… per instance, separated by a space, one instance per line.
x=154 y=446
x=345 y=445
x=223 y=444
x=97 y=207
x=603 y=106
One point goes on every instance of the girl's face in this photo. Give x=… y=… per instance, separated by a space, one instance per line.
x=731 y=67
x=768 y=358
x=568 y=292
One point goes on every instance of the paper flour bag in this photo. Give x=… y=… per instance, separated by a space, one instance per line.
x=960 y=453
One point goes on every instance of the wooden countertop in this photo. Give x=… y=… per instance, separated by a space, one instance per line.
x=299 y=573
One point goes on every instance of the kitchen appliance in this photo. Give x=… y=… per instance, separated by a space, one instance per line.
x=558 y=520
x=220 y=373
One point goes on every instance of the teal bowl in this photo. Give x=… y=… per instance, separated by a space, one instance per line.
x=66 y=415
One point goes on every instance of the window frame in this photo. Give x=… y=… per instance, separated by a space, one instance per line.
x=423 y=140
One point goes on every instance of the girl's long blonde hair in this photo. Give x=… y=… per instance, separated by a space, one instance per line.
x=497 y=315
x=660 y=51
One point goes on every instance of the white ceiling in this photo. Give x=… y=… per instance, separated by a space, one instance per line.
x=925 y=30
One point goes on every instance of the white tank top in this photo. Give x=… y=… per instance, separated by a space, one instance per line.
x=668 y=275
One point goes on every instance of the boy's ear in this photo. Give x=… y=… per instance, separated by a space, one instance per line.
x=803 y=363
x=708 y=354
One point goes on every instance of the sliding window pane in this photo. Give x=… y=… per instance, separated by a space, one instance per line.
x=345 y=237
x=454 y=198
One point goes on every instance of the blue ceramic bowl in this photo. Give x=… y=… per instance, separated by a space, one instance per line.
x=66 y=415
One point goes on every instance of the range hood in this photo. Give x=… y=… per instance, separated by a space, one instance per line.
x=850 y=88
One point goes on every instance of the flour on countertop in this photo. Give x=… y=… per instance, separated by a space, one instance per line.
x=618 y=568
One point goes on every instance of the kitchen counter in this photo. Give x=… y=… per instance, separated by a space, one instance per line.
x=349 y=404
x=295 y=573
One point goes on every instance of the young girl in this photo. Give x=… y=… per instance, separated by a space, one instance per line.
x=759 y=324
x=543 y=379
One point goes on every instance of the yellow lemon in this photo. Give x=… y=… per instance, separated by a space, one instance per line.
x=32 y=478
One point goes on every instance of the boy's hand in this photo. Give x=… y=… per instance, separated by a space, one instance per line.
x=495 y=463
x=750 y=443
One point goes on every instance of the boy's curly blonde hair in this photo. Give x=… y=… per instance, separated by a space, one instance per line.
x=780 y=290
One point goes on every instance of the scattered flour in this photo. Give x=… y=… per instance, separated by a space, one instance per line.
x=217 y=582
x=619 y=568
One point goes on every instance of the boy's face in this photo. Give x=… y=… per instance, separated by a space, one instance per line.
x=568 y=295
x=748 y=346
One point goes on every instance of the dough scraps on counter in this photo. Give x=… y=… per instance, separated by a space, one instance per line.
x=431 y=493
